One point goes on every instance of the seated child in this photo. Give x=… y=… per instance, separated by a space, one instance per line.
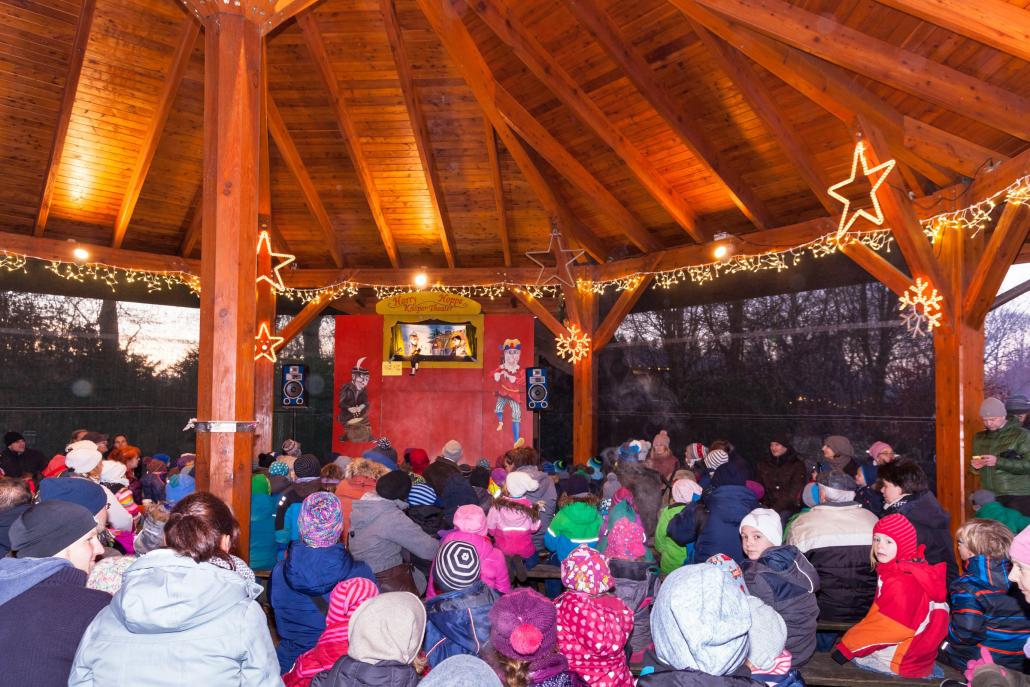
x=576 y=522
x=987 y=612
x=634 y=573
x=385 y=635
x=909 y=617
x=470 y=527
x=593 y=626
x=783 y=578
x=153 y=482
x=685 y=495
x=700 y=625
x=457 y=617
x=987 y=507
x=513 y=518
x=767 y=658
x=524 y=636
x=262 y=523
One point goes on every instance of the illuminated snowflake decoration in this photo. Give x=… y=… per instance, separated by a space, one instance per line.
x=921 y=306
x=573 y=347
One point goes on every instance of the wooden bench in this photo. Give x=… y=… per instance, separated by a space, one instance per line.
x=544 y=572
x=823 y=671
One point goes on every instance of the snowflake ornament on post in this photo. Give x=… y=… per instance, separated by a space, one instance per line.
x=573 y=347
x=922 y=308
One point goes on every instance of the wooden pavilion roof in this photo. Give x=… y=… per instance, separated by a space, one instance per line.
x=443 y=133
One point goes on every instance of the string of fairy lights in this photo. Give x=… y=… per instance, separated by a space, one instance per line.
x=973 y=218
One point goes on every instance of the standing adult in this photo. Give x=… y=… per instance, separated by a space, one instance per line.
x=782 y=473
x=838 y=454
x=17 y=460
x=45 y=606
x=1001 y=456
x=1018 y=406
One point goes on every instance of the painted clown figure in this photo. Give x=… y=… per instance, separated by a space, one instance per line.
x=508 y=377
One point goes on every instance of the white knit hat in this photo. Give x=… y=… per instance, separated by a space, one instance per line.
x=767 y=521
x=519 y=484
x=114 y=472
x=82 y=459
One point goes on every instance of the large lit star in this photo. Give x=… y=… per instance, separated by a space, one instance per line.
x=265 y=343
x=274 y=278
x=561 y=267
x=876 y=217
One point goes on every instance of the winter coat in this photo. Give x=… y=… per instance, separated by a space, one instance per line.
x=784 y=579
x=836 y=539
x=28 y=462
x=662 y=675
x=783 y=478
x=576 y=523
x=871 y=499
x=196 y=623
x=1010 y=517
x=683 y=527
x=262 y=531
x=458 y=622
x=350 y=673
x=44 y=610
x=933 y=529
x=672 y=554
x=727 y=506
x=987 y=611
x=428 y=518
x=512 y=528
x=647 y=486
x=7 y=519
x=349 y=491
x=295 y=493
x=439 y=472
x=493 y=568
x=1011 y=444
x=637 y=584
x=791 y=679
x=380 y=532
x=307 y=572
x=592 y=635
x=546 y=493
x=907 y=621
x=153 y=486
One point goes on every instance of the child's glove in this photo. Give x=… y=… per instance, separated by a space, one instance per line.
x=984 y=660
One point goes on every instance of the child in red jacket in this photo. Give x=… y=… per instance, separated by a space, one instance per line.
x=909 y=616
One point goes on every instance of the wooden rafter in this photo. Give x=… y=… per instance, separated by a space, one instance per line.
x=1006 y=241
x=192 y=235
x=761 y=100
x=882 y=61
x=316 y=46
x=284 y=10
x=993 y=22
x=534 y=306
x=152 y=136
x=301 y=320
x=881 y=270
x=622 y=307
x=682 y=116
x=495 y=177
x=828 y=86
x=573 y=230
x=507 y=111
x=71 y=86
x=508 y=28
x=288 y=150
x=967 y=157
x=419 y=128
x=44 y=248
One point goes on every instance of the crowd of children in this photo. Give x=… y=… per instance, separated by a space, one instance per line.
x=706 y=570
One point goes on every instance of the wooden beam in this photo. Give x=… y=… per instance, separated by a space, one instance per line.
x=288 y=150
x=421 y=131
x=622 y=307
x=509 y=29
x=542 y=313
x=970 y=158
x=45 y=248
x=761 y=100
x=875 y=264
x=316 y=46
x=495 y=177
x=504 y=110
x=682 y=116
x=995 y=23
x=584 y=389
x=192 y=235
x=900 y=214
x=301 y=320
x=576 y=233
x=284 y=10
x=1007 y=239
x=152 y=136
x=71 y=87
x=828 y=86
x=882 y=61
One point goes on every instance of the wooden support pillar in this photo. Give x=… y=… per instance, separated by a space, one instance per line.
x=225 y=386
x=584 y=382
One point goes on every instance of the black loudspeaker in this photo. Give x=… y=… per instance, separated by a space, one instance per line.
x=294 y=385
x=538 y=390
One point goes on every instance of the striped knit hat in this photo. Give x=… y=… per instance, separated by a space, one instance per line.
x=421 y=494
x=321 y=520
x=696 y=452
x=898 y=528
x=716 y=458
x=457 y=566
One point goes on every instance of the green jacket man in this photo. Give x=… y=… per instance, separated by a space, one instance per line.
x=1001 y=453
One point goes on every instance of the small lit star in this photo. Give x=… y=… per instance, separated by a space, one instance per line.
x=847 y=218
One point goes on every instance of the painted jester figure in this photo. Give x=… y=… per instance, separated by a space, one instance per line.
x=509 y=390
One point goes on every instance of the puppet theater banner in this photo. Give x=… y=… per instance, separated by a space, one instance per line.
x=469 y=382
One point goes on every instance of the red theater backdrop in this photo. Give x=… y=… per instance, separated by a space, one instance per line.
x=438 y=403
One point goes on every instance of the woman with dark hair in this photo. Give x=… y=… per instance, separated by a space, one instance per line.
x=183 y=596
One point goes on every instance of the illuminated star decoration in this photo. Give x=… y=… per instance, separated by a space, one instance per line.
x=561 y=266
x=274 y=278
x=266 y=343
x=847 y=218
x=922 y=309
x=573 y=347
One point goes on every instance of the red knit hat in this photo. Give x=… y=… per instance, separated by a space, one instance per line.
x=898 y=528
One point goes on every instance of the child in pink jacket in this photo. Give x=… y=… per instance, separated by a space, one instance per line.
x=470 y=527
x=514 y=518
